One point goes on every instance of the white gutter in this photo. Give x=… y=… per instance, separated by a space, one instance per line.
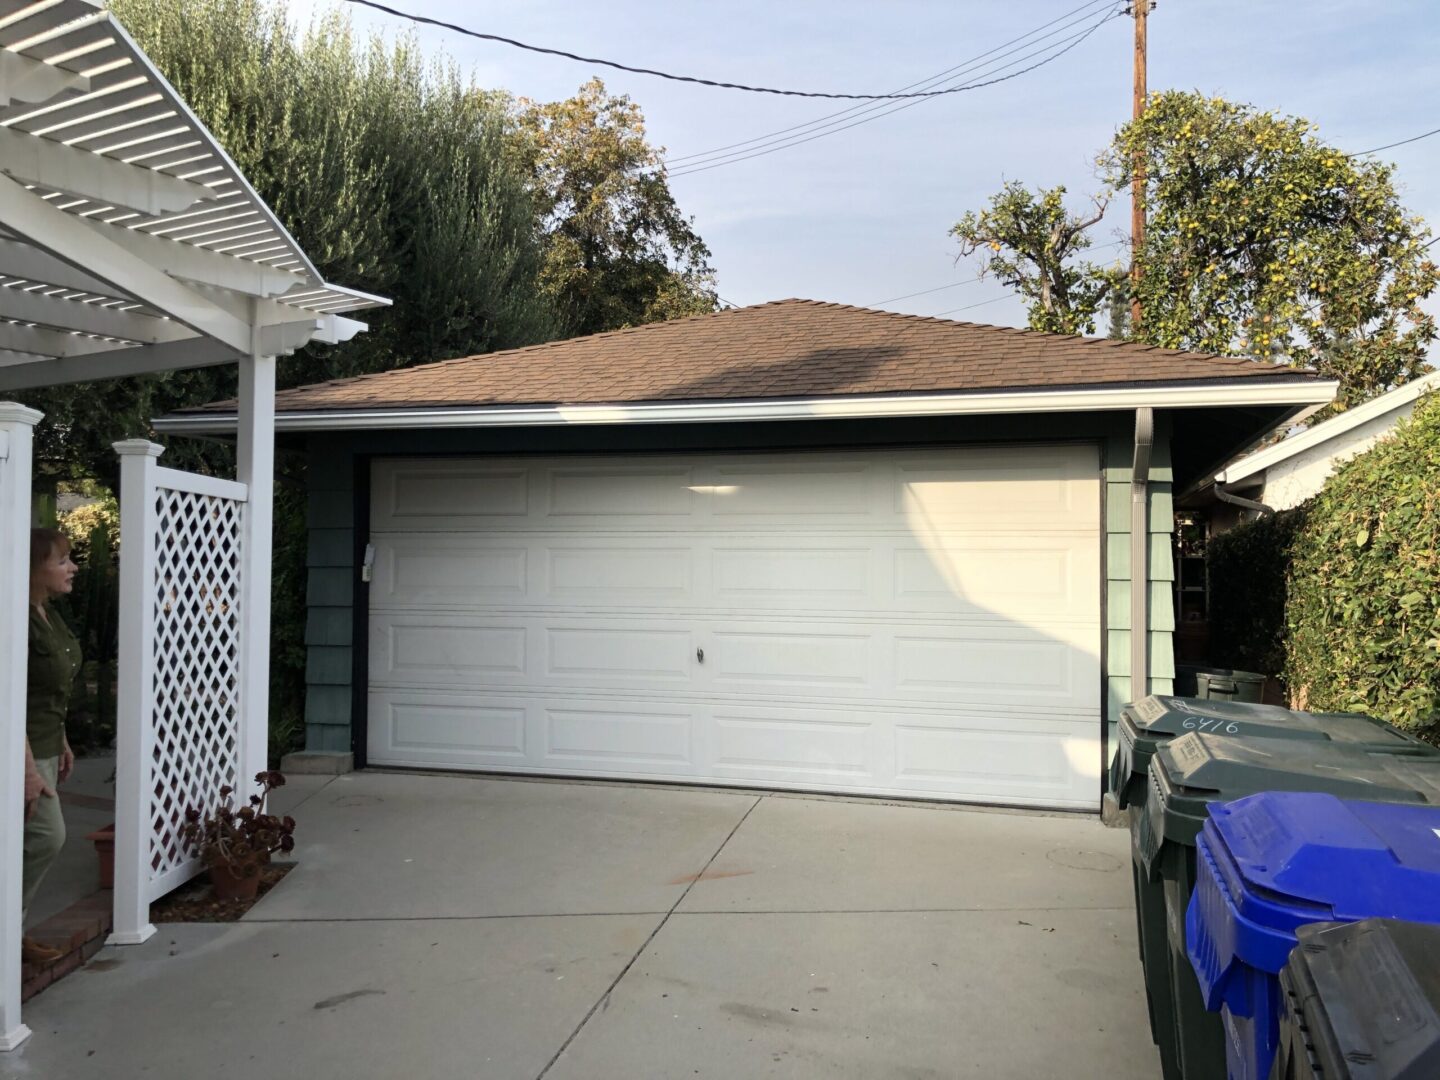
x=1140 y=554
x=1337 y=425
x=1209 y=395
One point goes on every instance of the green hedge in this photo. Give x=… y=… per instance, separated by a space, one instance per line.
x=1363 y=605
x=1248 y=566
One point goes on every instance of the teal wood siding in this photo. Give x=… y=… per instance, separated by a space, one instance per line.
x=330 y=597
x=333 y=575
x=1119 y=456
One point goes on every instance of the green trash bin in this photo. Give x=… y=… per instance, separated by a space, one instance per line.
x=1157 y=719
x=1152 y=722
x=1186 y=775
x=1222 y=684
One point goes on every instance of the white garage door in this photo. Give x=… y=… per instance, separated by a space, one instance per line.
x=919 y=622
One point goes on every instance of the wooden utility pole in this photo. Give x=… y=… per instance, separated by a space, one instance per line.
x=1139 y=8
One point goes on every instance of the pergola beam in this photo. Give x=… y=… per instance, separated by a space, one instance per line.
x=58 y=167
x=43 y=342
x=22 y=260
x=23 y=78
x=77 y=241
x=51 y=311
x=195 y=264
x=137 y=360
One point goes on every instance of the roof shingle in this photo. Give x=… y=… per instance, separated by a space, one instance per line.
x=785 y=349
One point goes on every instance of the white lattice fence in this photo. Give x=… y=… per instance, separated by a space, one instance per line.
x=181 y=722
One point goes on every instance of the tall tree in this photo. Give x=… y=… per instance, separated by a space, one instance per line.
x=619 y=252
x=1261 y=240
x=1033 y=244
x=390 y=172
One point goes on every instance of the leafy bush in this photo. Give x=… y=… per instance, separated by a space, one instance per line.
x=1363 y=611
x=1248 y=568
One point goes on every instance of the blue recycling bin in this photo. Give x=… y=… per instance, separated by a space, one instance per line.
x=1270 y=863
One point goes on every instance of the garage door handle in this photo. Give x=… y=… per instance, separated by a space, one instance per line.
x=700 y=655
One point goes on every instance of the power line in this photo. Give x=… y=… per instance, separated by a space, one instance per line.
x=967 y=307
x=716 y=83
x=1391 y=146
x=877 y=109
x=731 y=159
x=950 y=73
x=977 y=278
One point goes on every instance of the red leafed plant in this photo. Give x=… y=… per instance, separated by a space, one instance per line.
x=240 y=840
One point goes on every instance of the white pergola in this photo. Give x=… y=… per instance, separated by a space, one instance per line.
x=130 y=243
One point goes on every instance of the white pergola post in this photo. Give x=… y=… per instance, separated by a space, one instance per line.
x=16 y=438
x=134 y=735
x=255 y=468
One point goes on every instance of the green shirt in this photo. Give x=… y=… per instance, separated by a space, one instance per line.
x=54 y=663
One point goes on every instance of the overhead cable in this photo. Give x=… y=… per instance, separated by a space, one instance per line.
x=1391 y=146
x=785 y=144
x=696 y=80
x=950 y=74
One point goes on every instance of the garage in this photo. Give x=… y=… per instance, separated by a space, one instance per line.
x=796 y=545
x=916 y=622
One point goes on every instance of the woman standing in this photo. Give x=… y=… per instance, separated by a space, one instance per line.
x=54 y=663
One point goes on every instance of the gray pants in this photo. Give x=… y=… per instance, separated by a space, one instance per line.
x=44 y=833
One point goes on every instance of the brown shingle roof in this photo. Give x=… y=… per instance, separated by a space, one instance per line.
x=785 y=349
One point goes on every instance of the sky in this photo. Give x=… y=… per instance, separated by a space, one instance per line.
x=862 y=216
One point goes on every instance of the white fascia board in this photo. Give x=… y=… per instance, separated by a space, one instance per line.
x=137 y=360
x=78 y=242
x=50 y=311
x=36 y=160
x=1335 y=426
x=1296 y=393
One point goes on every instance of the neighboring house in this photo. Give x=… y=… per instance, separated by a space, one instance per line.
x=1287 y=473
x=796 y=545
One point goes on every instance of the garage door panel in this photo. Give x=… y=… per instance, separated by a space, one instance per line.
x=435 y=728
x=1047 y=764
x=599 y=492
x=801 y=657
x=1033 y=669
x=807 y=486
x=620 y=575
x=430 y=495
x=1039 y=578
x=437 y=572
x=901 y=622
x=763 y=572
x=624 y=734
x=607 y=653
x=1044 y=485
x=766 y=743
x=426 y=650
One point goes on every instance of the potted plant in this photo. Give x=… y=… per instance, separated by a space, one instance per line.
x=234 y=844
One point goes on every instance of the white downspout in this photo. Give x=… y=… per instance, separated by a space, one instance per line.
x=1140 y=553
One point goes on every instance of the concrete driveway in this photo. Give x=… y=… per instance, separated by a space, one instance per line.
x=443 y=926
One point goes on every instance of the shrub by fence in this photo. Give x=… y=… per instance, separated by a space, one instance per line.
x=1248 y=567
x=1363 y=611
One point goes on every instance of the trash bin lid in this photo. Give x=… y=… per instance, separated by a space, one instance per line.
x=1151 y=721
x=1355 y=859
x=1272 y=862
x=1189 y=773
x=1369 y=993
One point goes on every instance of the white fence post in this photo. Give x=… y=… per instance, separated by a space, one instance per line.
x=134 y=734
x=16 y=442
x=255 y=468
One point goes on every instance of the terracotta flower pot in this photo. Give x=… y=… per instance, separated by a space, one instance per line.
x=228 y=886
x=104 y=841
